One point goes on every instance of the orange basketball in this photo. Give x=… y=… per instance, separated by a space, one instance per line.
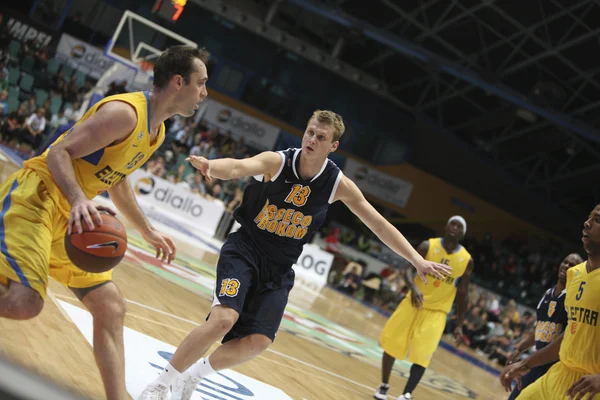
x=99 y=250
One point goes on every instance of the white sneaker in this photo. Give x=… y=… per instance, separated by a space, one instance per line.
x=381 y=393
x=184 y=386
x=405 y=396
x=154 y=391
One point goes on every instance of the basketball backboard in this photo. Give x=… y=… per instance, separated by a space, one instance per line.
x=136 y=44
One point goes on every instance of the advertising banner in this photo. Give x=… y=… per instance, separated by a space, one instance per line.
x=379 y=184
x=83 y=56
x=181 y=204
x=256 y=133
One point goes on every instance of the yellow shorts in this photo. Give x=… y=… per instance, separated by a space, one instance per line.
x=413 y=332
x=554 y=384
x=32 y=231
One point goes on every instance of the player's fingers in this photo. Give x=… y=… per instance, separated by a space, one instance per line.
x=77 y=221
x=446 y=269
x=582 y=392
x=108 y=209
x=437 y=273
x=91 y=214
x=172 y=248
x=575 y=387
x=519 y=383
x=157 y=251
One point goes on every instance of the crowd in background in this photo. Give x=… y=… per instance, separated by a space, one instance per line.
x=186 y=136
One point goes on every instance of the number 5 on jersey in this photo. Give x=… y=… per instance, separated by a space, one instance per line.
x=229 y=287
x=298 y=195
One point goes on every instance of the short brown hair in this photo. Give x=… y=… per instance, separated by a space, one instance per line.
x=333 y=119
x=177 y=60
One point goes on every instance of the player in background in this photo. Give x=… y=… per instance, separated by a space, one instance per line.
x=417 y=325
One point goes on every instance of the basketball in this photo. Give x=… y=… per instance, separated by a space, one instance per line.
x=99 y=250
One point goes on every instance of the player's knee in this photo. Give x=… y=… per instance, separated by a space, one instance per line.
x=258 y=343
x=106 y=304
x=117 y=308
x=223 y=319
x=23 y=305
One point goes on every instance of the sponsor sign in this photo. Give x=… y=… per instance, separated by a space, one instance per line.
x=23 y=29
x=314 y=264
x=177 y=201
x=145 y=358
x=83 y=56
x=256 y=133
x=379 y=184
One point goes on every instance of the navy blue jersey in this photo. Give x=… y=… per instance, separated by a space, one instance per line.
x=281 y=215
x=551 y=318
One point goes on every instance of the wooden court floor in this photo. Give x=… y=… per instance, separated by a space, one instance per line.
x=326 y=347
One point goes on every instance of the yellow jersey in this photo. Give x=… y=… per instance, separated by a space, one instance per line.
x=438 y=295
x=108 y=166
x=580 y=348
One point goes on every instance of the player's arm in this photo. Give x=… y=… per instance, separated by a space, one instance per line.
x=266 y=163
x=110 y=124
x=124 y=199
x=463 y=296
x=544 y=356
x=351 y=195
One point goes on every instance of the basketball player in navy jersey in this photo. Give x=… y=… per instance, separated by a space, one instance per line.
x=283 y=206
x=551 y=321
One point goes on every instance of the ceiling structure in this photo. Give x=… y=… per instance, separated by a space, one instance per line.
x=516 y=80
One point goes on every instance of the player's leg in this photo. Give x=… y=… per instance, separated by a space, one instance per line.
x=253 y=333
x=26 y=214
x=394 y=340
x=553 y=385
x=108 y=309
x=106 y=304
x=235 y=277
x=427 y=333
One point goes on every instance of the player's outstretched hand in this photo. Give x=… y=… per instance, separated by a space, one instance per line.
x=513 y=371
x=164 y=245
x=88 y=211
x=425 y=267
x=589 y=384
x=201 y=164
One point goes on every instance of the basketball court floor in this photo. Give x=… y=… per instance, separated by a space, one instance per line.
x=326 y=347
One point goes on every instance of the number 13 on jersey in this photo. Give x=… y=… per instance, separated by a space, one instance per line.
x=298 y=195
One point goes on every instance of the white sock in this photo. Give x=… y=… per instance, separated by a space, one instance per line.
x=168 y=375
x=202 y=368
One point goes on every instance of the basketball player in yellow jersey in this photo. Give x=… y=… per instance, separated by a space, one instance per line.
x=417 y=325
x=53 y=193
x=577 y=374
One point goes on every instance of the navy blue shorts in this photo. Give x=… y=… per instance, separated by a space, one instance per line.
x=253 y=285
x=532 y=376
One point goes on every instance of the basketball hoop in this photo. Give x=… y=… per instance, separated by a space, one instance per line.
x=146 y=66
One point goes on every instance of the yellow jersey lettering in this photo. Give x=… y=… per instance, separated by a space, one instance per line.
x=272 y=226
x=281 y=228
x=262 y=213
x=300 y=232
x=583 y=315
x=306 y=221
x=290 y=230
x=297 y=217
x=271 y=210
x=263 y=223
x=280 y=213
x=288 y=215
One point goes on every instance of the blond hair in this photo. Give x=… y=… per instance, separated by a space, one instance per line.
x=330 y=118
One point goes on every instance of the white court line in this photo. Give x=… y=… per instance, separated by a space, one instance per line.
x=307 y=364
